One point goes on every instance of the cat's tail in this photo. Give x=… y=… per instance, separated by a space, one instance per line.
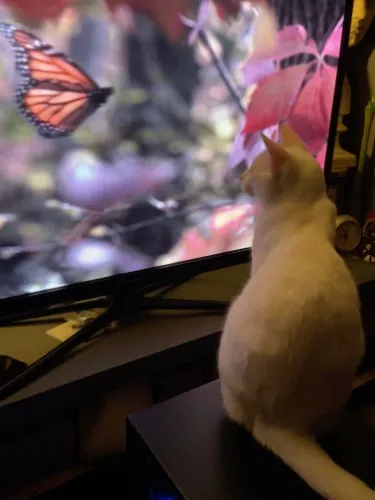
x=304 y=455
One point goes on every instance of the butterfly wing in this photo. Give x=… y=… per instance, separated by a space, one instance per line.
x=54 y=94
x=36 y=60
x=54 y=112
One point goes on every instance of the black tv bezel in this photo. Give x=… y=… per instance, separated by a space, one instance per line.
x=118 y=283
x=13 y=305
x=348 y=14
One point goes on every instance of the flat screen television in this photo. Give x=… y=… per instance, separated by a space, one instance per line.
x=124 y=125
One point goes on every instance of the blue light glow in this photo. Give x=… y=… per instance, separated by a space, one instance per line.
x=155 y=495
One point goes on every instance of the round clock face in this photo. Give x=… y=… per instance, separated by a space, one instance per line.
x=348 y=233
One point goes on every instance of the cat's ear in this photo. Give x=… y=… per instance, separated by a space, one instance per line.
x=289 y=138
x=277 y=152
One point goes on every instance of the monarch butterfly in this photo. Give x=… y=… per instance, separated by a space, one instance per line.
x=54 y=93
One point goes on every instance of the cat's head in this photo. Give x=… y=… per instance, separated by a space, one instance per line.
x=285 y=170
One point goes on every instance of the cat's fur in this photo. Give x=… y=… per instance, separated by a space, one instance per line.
x=293 y=338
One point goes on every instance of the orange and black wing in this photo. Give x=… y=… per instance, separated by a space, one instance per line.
x=36 y=60
x=53 y=110
x=54 y=94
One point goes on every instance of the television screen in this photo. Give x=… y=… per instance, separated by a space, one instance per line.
x=124 y=125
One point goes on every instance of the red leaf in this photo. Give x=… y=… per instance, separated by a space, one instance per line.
x=227 y=8
x=291 y=40
x=333 y=44
x=37 y=10
x=312 y=112
x=311 y=115
x=166 y=14
x=229 y=220
x=321 y=157
x=192 y=245
x=226 y=224
x=272 y=100
x=279 y=96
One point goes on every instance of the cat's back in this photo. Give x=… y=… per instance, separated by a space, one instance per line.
x=302 y=273
x=300 y=286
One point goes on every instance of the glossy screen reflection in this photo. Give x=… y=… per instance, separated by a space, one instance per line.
x=129 y=159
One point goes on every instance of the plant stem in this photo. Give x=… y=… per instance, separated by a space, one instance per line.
x=222 y=70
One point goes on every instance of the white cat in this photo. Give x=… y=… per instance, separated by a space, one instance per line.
x=293 y=338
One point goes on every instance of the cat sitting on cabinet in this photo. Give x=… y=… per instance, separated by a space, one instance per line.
x=293 y=338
